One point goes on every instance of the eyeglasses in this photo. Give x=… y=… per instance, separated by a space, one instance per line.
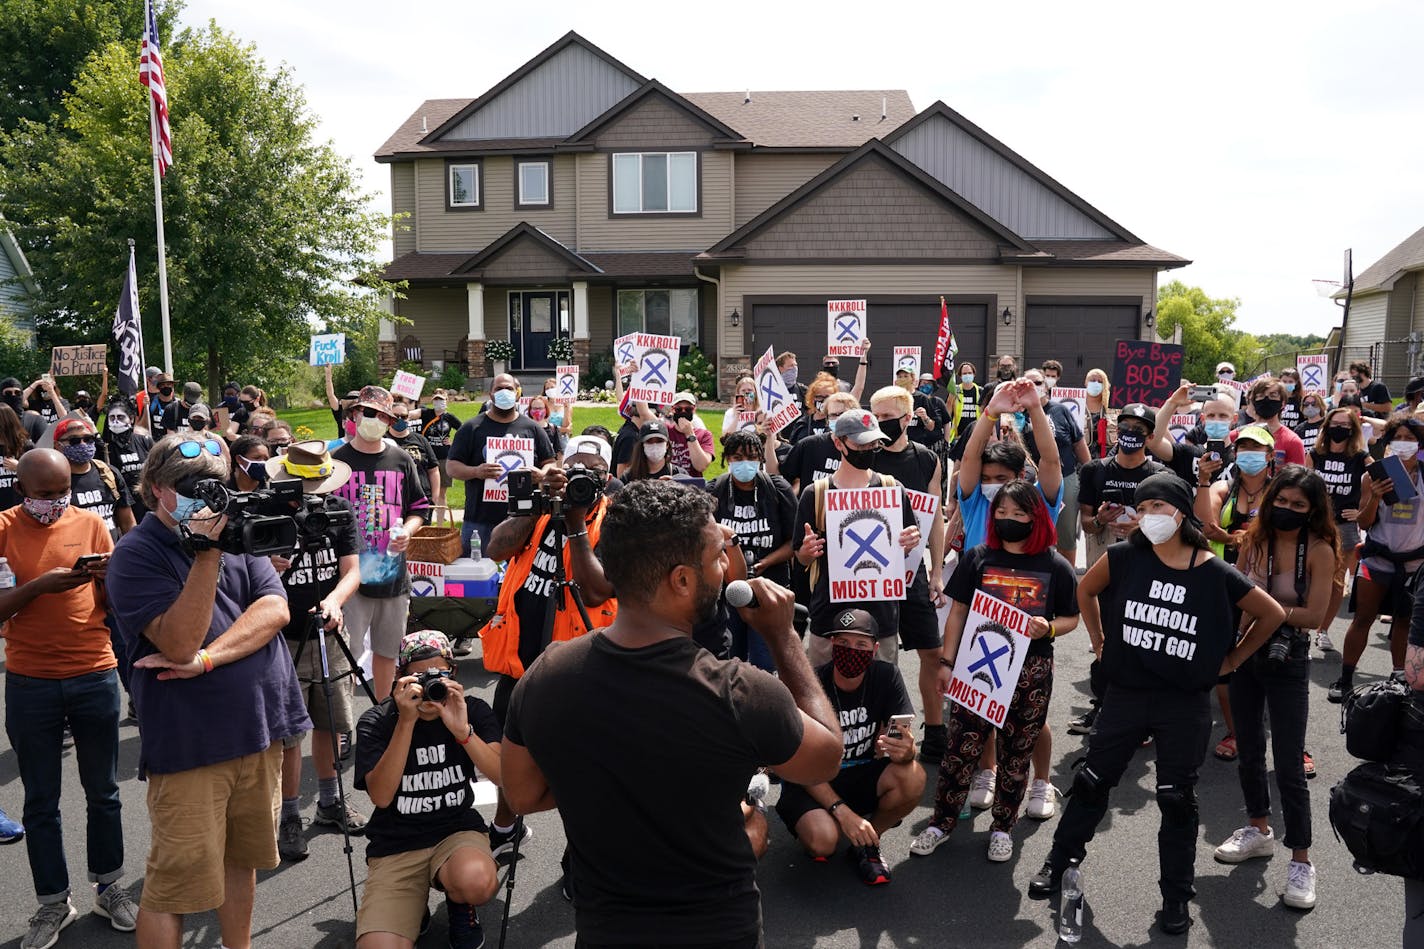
x=86 y=439
x=192 y=449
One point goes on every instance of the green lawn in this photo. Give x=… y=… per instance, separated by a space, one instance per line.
x=319 y=424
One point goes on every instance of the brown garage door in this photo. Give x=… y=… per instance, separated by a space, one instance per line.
x=801 y=328
x=1080 y=336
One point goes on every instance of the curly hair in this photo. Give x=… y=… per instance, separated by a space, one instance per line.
x=652 y=527
x=742 y=443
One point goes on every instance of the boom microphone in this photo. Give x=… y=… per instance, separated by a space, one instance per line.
x=740 y=593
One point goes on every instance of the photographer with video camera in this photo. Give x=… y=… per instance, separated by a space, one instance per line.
x=215 y=692
x=545 y=549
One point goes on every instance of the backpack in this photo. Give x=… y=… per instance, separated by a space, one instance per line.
x=1377 y=811
x=106 y=475
x=1370 y=719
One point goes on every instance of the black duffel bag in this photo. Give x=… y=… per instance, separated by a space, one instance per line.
x=1371 y=719
x=1378 y=812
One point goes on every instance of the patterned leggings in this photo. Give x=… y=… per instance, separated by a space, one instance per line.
x=965 y=742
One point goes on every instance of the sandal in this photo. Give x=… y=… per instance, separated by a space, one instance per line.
x=1309 y=765
x=1226 y=748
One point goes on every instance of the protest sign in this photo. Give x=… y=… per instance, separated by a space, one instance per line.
x=1313 y=370
x=511 y=454
x=655 y=379
x=991 y=654
x=845 y=327
x=327 y=350
x=1180 y=425
x=1146 y=372
x=925 y=507
x=746 y=421
x=862 y=544
x=566 y=384
x=78 y=360
x=908 y=359
x=407 y=385
x=524 y=401
x=781 y=410
x=625 y=350
x=1075 y=401
x=426 y=579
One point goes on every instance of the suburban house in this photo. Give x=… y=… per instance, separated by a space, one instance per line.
x=17 y=282
x=577 y=198
x=1385 y=326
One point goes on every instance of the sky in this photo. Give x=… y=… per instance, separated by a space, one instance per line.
x=1258 y=139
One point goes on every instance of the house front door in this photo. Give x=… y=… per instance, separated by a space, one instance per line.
x=535 y=319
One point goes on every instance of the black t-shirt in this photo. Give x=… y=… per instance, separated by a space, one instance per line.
x=1043 y=584
x=1309 y=432
x=1101 y=474
x=340 y=420
x=866 y=710
x=939 y=414
x=127 y=453
x=913 y=466
x=49 y=416
x=1374 y=393
x=384 y=489
x=623 y=444
x=968 y=407
x=694 y=877
x=1066 y=432
x=1290 y=413
x=885 y=612
x=89 y=492
x=438 y=428
x=538 y=594
x=158 y=417
x=469 y=449
x=1344 y=476
x=314 y=573
x=1166 y=629
x=420 y=451
x=436 y=794
x=34 y=425
x=1186 y=459
x=175 y=416
x=761 y=517
x=810 y=460
x=9 y=488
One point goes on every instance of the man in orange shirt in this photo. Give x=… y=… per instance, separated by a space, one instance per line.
x=60 y=667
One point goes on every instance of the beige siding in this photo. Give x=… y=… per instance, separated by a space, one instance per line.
x=763 y=180
x=599 y=230
x=1097 y=282
x=439 y=318
x=496 y=313
x=445 y=230
x=403 y=202
x=1394 y=369
x=1367 y=324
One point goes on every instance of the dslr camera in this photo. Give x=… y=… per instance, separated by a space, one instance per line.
x=1279 y=646
x=528 y=500
x=432 y=685
x=275 y=520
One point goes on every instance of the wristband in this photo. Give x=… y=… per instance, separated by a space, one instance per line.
x=991 y=416
x=466 y=740
x=834 y=804
x=579 y=534
x=206 y=660
x=1052 y=630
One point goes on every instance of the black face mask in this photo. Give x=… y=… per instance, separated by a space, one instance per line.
x=1006 y=373
x=687 y=414
x=165 y=391
x=1284 y=519
x=15 y=402
x=1130 y=441
x=833 y=371
x=1012 y=531
x=861 y=460
x=1338 y=433
x=893 y=428
x=1266 y=408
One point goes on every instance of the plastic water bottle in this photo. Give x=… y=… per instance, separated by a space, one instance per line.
x=475 y=553
x=1070 y=914
x=7 y=576
x=397 y=532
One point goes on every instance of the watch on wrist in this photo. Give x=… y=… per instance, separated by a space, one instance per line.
x=834 y=804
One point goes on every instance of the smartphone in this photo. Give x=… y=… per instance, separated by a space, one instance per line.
x=1114 y=496
x=899 y=725
x=88 y=560
x=1203 y=393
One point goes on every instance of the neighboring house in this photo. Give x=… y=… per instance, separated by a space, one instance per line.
x=579 y=198
x=17 y=283
x=1386 y=321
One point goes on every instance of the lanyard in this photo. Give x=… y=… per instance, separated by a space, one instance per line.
x=1301 y=545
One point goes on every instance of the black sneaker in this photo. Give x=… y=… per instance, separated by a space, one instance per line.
x=343 y=746
x=1046 y=882
x=1175 y=919
x=873 y=871
x=465 y=929
x=330 y=815
x=130 y=715
x=1083 y=724
x=1338 y=688
x=291 y=842
x=502 y=842
x=933 y=745
x=463 y=647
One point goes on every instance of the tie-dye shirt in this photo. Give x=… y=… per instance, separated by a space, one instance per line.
x=384 y=489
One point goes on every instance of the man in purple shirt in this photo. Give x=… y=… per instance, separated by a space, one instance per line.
x=215 y=692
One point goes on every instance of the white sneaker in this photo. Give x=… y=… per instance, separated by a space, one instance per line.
x=1300 y=885
x=1246 y=844
x=981 y=790
x=1001 y=847
x=1042 y=800
x=1322 y=641
x=929 y=838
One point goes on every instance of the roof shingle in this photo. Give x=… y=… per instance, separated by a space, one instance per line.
x=811 y=118
x=1107 y=252
x=1408 y=255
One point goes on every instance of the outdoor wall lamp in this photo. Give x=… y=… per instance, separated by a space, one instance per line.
x=1008 y=317
x=736 y=318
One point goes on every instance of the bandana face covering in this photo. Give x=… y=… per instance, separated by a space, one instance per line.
x=46 y=511
x=850 y=662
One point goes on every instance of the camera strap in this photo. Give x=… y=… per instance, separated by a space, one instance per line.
x=1302 y=545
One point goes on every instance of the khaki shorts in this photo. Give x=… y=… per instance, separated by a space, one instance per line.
x=384 y=618
x=309 y=678
x=204 y=818
x=398 y=886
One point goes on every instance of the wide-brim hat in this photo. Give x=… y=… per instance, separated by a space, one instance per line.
x=375 y=397
x=311 y=463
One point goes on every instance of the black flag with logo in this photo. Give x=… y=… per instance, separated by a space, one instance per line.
x=128 y=335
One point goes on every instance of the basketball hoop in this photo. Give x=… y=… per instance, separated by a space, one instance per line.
x=1326 y=288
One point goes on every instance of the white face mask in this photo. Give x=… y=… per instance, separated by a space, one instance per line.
x=655 y=451
x=1404 y=448
x=438 y=405
x=1159 y=528
x=990 y=488
x=371 y=429
x=118 y=424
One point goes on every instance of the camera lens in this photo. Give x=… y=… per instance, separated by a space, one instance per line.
x=435 y=690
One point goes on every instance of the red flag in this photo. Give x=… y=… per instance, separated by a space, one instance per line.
x=945 y=345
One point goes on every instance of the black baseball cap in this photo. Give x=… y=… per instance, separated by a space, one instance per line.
x=855 y=621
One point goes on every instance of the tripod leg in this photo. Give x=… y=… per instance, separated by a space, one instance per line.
x=356 y=670
x=336 y=762
x=509 y=879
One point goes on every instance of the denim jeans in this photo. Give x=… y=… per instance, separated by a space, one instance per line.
x=747 y=643
x=35 y=713
x=1260 y=689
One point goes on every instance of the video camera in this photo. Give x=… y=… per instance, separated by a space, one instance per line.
x=583 y=489
x=276 y=520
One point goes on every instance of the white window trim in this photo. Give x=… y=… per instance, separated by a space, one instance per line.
x=450 y=185
x=696 y=174
x=548 y=183
x=643 y=309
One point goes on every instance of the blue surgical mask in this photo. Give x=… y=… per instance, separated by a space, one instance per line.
x=967 y=378
x=1217 y=431
x=505 y=399
x=744 y=471
x=927 y=388
x=1094 y=387
x=186 y=508
x=1251 y=462
x=1020 y=419
x=1290 y=387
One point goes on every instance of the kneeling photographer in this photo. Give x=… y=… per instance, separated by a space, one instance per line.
x=553 y=588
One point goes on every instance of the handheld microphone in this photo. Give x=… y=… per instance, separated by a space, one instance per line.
x=740 y=593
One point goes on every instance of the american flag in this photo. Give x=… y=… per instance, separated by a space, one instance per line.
x=150 y=73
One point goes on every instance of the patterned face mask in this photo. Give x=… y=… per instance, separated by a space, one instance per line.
x=850 y=662
x=46 y=510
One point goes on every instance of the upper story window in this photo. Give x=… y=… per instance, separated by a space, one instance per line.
x=532 y=184
x=655 y=183
x=462 y=189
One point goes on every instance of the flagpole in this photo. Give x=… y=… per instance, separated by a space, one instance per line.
x=138 y=320
x=162 y=252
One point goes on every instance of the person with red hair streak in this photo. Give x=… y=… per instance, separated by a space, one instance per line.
x=1018 y=563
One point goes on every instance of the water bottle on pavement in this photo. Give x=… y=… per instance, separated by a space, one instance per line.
x=1070 y=912
x=7 y=576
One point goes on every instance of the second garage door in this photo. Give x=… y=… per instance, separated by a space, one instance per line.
x=801 y=328
x=1080 y=336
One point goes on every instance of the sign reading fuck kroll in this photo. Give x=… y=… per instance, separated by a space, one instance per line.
x=991 y=655
x=863 y=548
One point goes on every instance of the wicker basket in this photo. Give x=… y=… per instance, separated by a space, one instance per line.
x=436 y=542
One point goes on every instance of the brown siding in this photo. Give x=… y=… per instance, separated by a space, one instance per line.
x=496 y=313
x=445 y=230
x=526 y=259
x=439 y=316
x=654 y=123
x=1394 y=370
x=763 y=180
x=598 y=230
x=600 y=319
x=873 y=210
x=403 y=202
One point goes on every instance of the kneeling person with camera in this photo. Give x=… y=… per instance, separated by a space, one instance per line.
x=416 y=756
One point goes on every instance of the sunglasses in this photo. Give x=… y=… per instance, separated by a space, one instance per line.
x=86 y=439
x=192 y=449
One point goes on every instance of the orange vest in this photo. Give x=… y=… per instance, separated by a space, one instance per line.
x=500 y=635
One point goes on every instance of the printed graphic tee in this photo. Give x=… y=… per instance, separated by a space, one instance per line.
x=88 y=491
x=314 y=573
x=866 y=710
x=1043 y=584
x=384 y=489
x=761 y=517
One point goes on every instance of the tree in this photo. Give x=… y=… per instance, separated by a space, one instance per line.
x=267 y=230
x=1207 y=331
